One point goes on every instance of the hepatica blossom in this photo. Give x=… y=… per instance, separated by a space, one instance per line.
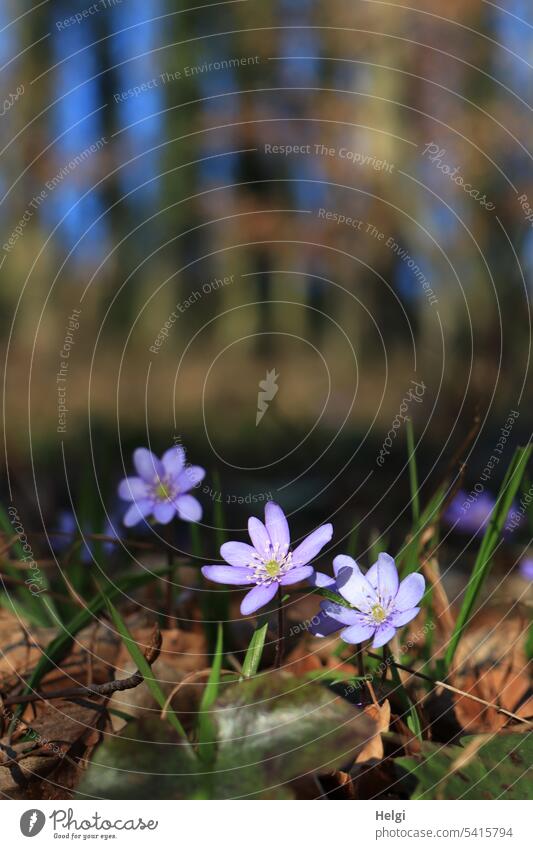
x=268 y=563
x=380 y=604
x=68 y=531
x=469 y=514
x=161 y=488
x=525 y=569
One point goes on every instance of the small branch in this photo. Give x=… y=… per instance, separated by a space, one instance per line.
x=437 y=683
x=107 y=689
x=9 y=579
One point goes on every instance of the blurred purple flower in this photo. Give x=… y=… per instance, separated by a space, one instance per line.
x=268 y=563
x=161 y=488
x=469 y=515
x=526 y=568
x=380 y=604
x=67 y=531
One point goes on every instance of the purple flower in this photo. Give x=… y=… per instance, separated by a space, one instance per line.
x=526 y=568
x=470 y=514
x=379 y=602
x=161 y=488
x=268 y=563
x=68 y=531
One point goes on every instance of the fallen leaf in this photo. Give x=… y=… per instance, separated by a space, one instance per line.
x=380 y=715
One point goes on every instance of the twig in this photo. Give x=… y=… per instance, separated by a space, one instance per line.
x=115 y=540
x=463 y=448
x=20 y=583
x=107 y=689
x=7 y=545
x=437 y=683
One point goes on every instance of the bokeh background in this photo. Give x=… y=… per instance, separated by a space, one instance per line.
x=150 y=223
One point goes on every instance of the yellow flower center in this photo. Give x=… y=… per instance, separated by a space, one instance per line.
x=162 y=492
x=378 y=613
x=272 y=568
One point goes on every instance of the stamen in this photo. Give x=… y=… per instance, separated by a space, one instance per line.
x=379 y=614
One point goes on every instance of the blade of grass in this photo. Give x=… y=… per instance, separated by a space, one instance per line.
x=412 y=718
x=407 y=557
x=378 y=543
x=215 y=603
x=211 y=607
x=413 y=472
x=59 y=647
x=144 y=667
x=492 y=534
x=206 y=729
x=254 y=652
x=351 y=545
x=218 y=511
x=526 y=502
x=37 y=609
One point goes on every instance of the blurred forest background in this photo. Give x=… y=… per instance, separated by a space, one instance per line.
x=138 y=181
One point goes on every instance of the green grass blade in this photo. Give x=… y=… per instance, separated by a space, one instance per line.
x=215 y=602
x=254 y=652
x=351 y=545
x=219 y=519
x=59 y=647
x=492 y=534
x=38 y=608
x=378 y=543
x=211 y=690
x=206 y=729
x=196 y=542
x=413 y=472
x=407 y=557
x=144 y=667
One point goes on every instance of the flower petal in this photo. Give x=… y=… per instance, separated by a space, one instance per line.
x=237 y=553
x=383 y=576
x=322 y=625
x=258 y=597
x=148 y=466
x=189 y=509
x=410 y=592
x=164 y=512
x=355 y=588
x=357 y=633
x=137 y=512
x=190 y=477
x=132 y=489
x=278 y=528
x=343 y=561
x=384 y=634
x=174 y=460
x=259 y=535
x=309 y=548
x=340 y=613
x=320 y=579
x=297 y=573
x=403 y=617
x=237 y=575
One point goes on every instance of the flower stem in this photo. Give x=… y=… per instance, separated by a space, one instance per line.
x=387 y=660
x=171 y=570
x=281 y=630
x=360 y=663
